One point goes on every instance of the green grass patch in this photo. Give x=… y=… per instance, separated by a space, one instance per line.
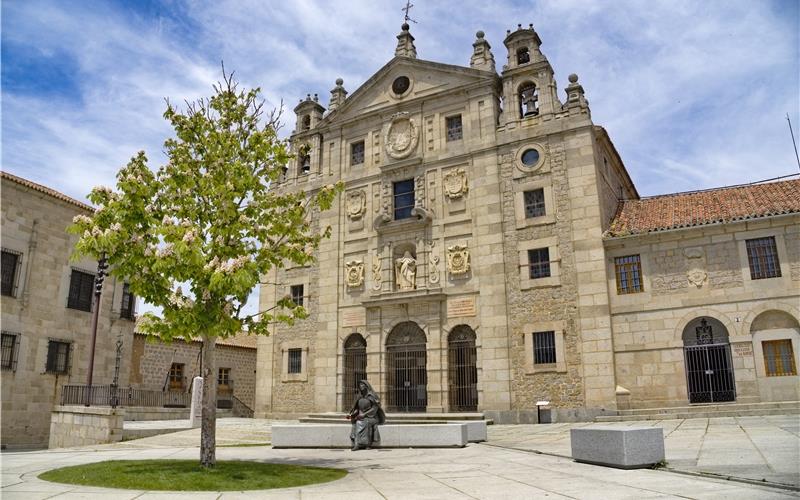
x=188 y=475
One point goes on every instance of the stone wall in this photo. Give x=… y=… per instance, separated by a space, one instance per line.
x=34 y=224
x=82 y=426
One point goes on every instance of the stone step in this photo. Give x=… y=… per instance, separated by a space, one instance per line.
x=711 y=408
x=698 y=414
x=400 y=418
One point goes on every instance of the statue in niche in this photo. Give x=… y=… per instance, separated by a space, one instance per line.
x=406 y=272
x=354 y=273
x=458 y=259
x=366 y=415
x=455 y=183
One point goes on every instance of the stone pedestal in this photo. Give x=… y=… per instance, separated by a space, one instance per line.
x=85 y=425
x=621 y=447
x=196 y=412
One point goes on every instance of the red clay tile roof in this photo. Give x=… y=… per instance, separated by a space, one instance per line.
x=46 y=190
x=240 y=340
x=681 y=210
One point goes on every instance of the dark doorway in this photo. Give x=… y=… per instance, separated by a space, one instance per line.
x=462 y=371
x=355 y=367
x=707 y=354
x=407 y=376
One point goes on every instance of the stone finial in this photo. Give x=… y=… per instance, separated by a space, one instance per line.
x=482 y=57
x=575 y=93
x=405 y=44
x=338 y=95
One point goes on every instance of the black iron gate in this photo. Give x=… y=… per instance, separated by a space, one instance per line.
x=462 y=369
x=709 y=373
x=407 y=376
x=355 y=368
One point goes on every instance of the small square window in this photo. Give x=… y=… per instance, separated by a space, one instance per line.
x=9 y=351
x=534 y=203
x=58 y=357
x=778 y=358
x=297 y=293
x=295 y=361
x=128 y=307
x=454 y=129
x=81 y=287
x=762 y=255
x=539 y=263
x=628 y=270
x=10 y=262
x=176 y=377
x=357 y=153
x=403 y=199
x=544 y=348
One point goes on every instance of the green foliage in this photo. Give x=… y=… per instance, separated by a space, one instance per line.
x=208 y=220
x=187 y=475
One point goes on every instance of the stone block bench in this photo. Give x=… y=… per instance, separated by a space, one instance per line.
x=450 y=435
x=621 y=447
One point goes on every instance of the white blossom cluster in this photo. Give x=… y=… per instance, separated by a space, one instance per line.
x=228 y=266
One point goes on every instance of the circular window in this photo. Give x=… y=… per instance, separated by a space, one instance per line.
x=400 y=85
x=530 y=157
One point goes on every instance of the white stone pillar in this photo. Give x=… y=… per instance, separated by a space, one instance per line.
x=196 y=412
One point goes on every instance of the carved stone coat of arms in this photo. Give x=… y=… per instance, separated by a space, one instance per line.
x=354 y=273
x=458 y=260
x=401 y=136
x=356 y=204
x=455 y=183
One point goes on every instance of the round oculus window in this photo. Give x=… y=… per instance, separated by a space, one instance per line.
x=400 y=85
x=530 y=157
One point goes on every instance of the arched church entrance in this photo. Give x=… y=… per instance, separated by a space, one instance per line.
x=355 y=367
x=707 y=354
x=462 y=363
x=406 y=374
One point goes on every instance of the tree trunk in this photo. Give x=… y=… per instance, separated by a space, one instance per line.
x=208 y=425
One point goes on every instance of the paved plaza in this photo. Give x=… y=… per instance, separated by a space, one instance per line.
x=518 y=461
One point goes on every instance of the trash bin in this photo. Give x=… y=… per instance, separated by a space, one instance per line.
x=543 y=415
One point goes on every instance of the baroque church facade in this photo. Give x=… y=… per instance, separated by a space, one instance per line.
x=490 y=251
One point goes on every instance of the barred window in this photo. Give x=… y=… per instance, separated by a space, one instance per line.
x=454 y=130
x=762 y=255
x=295 y=361
x=10 y=262
x=539 y=263
x=81 y=287
x=544 y=348
x=534 y=203
x=127 y=310
x=629 y=274
x=296 y=292
x=224 y=377
x=403 y=199
x=357 y=153
x=9 y=351
x=176 y=377
x=58 y=357
x=779 y=358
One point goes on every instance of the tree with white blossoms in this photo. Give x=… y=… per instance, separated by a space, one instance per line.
x=195 y=237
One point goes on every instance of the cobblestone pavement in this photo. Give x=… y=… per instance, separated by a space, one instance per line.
x=505 y=467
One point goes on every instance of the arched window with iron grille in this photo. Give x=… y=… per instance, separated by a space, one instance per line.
x=406 y=372
x=462 y=362
x=355 y=367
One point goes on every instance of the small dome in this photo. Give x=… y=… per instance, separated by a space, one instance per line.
x=480 y=34
x=339 y=81
x=573 y=78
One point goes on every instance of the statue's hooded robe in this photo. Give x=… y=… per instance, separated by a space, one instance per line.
x=366 y=416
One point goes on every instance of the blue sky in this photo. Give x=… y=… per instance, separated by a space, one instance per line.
x=693 y=93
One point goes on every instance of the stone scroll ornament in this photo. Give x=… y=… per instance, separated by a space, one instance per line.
x=455 y=183
x=376 y=272
x=458 y=260
x=354 y=273
x=433 y=274
x=401 y=136
x=356 y=204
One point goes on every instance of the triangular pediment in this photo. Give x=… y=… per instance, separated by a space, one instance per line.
x=426 y=79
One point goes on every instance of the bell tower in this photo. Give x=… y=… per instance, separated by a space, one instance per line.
x=529 y=87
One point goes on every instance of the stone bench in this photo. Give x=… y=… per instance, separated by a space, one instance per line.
x=476 y=430
x=392 y=435
x=621 y=447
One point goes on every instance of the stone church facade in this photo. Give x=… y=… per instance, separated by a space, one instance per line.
x=475 y=251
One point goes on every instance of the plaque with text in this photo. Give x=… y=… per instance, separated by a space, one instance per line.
x=462 y=306
x=354 y=317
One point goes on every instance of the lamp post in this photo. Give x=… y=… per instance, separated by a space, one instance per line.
x=102 y=266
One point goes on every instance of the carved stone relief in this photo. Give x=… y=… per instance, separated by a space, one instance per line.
x=433 y=272
x=376 y=272
x=354 y=273
x=458 y=260
x=356 y=204
x=401 y=136
x=696 y=274
x=455 y=183
x=406 y=272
